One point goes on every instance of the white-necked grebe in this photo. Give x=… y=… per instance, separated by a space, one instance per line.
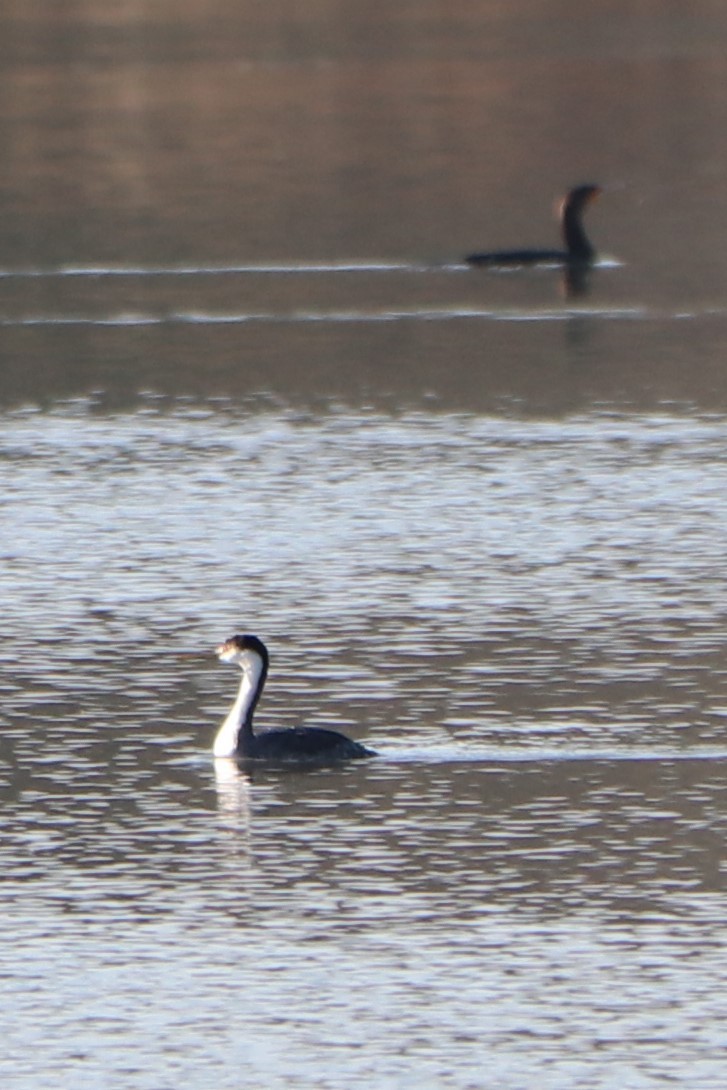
x=578 y=250
x=303 y=744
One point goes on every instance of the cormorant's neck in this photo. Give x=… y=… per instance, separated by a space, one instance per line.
x=574 y=237
x=237 y=726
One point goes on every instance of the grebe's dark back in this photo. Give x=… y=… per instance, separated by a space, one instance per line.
x=236 y=738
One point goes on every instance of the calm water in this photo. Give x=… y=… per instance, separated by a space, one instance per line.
x=245 y=384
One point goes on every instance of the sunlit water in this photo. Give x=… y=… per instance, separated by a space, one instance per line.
x=524 y=618
x=246 y=383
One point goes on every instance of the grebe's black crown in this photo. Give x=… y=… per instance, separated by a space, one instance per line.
x=248 y=643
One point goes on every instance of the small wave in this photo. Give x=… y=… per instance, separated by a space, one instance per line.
x=362 y=316
x=261 y=268
x=449 y=754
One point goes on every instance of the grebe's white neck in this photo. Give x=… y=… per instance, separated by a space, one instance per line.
x=239 y=719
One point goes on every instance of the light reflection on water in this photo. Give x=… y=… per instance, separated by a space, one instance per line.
x=524 y=617
x=541 y=561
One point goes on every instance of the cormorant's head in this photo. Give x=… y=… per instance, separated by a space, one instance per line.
x=582 y=195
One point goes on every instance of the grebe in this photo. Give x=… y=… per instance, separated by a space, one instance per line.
x=578 y=250
x=236 y=738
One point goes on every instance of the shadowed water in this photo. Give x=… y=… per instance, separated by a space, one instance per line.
x=246 y=384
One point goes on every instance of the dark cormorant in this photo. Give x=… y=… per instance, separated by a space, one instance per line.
x=578 y=250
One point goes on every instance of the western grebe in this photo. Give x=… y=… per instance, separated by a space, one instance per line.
x=578 y=250
x=236 y=738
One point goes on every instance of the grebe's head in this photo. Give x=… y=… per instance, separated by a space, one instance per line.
x=244 y=651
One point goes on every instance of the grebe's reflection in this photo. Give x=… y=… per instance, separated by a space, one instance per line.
x=234 y=796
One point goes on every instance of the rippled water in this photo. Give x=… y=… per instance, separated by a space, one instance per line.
x=246 y=383
x=525 y=618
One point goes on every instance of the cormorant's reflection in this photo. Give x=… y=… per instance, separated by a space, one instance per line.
x=576 y=279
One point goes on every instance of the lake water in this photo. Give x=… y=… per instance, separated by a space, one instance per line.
x=246 y=384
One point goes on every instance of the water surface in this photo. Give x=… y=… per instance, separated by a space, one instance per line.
x=247 y=384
